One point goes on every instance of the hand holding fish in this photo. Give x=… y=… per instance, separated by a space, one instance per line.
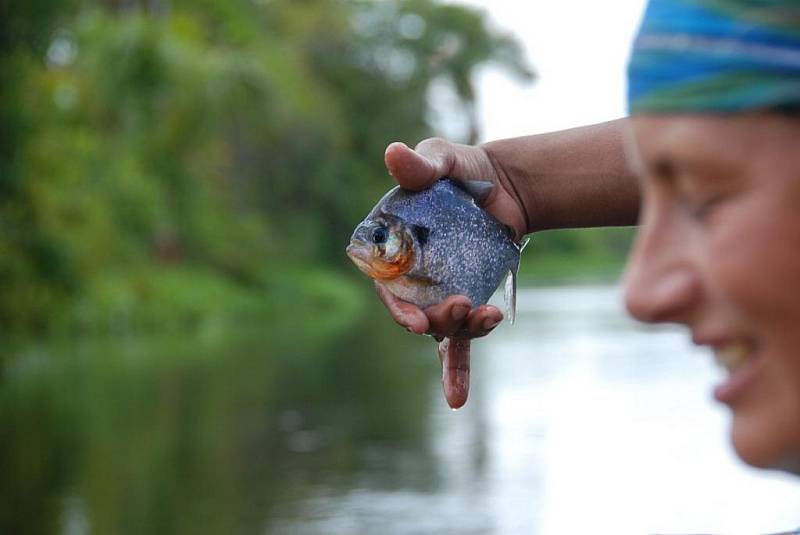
x=453 y=322
x=567 y=179
x=435 y=158
x=454 y=351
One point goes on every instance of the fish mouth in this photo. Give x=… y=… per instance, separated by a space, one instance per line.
x=361 y=256
x=374 y=266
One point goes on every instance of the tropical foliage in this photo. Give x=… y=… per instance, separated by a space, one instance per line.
x=174 y=164
x=169 y=162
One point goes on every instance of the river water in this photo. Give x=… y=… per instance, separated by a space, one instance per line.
x=579 y=421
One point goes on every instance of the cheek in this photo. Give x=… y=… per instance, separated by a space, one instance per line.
x=752 y=260
x=753 y=274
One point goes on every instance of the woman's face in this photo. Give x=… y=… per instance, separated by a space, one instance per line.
x=718 y=250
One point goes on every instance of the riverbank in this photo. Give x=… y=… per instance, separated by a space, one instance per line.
x=575 y=256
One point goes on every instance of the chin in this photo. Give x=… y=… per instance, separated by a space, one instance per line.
x=790 y=464
x=763 y=449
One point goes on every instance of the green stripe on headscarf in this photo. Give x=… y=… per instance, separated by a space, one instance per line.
x=716 y=56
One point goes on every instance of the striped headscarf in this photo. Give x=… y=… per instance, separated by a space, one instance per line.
x=698 y=56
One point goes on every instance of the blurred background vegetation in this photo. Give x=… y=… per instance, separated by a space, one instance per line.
x=172 y=165
x=173 y=172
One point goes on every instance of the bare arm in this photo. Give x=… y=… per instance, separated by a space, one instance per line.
x=567 y=179
x=571 y=178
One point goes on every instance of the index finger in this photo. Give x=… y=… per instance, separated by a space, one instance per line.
x=404 y=313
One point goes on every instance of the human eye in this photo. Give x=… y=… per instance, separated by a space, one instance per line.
x=698 y=205
x=700 y=192
x=700 y=208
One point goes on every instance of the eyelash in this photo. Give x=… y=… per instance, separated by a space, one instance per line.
x=701 y=211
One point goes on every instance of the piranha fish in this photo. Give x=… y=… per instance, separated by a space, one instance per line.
x=426 y=245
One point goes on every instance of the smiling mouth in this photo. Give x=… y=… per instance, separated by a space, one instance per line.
x=734 y=355
x=741 y=359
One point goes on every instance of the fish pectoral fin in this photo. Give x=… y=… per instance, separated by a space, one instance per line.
x=477 y=189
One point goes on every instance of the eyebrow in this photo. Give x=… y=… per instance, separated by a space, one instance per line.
x=670 y=166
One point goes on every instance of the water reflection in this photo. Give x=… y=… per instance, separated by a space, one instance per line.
x=579 y=420
x=179 y=436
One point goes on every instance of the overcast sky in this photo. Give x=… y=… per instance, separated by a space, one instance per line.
x=579 y=49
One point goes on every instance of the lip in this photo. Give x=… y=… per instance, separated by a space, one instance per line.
x=739 y=380
x=710 y=339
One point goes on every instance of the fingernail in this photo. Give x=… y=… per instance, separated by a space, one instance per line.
x=410 y=329
x=490 y=323
x=459 y=312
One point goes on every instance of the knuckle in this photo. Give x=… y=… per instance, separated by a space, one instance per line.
x=441 y=330
x=432 y=144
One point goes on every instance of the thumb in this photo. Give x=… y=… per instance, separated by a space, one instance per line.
x=412 y=169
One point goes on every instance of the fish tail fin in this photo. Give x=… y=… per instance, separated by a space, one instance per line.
x=511 y=295
x=511 y=285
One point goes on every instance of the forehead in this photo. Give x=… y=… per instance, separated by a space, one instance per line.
x=734 y=139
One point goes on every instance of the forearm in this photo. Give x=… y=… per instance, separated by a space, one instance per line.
x=569 y=179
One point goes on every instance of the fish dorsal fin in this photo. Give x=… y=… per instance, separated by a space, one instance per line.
x=477 y=189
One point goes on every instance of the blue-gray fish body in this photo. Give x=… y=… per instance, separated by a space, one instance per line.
x=426 y=245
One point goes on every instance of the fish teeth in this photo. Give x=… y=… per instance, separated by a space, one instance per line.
x=731 y=356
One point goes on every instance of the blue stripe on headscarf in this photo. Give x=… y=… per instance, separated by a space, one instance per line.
x=716 y=55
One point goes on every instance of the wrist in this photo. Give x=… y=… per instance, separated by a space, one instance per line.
x=514 y=183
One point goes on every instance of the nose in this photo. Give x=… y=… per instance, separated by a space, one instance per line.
x=661 y=282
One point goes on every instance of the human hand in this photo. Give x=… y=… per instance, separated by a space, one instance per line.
x=417 y=169
x=436 y=158
x=452 y=322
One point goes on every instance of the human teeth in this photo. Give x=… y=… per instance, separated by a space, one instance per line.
x=731 y=356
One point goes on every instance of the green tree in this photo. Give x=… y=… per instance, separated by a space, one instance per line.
x=163 y=152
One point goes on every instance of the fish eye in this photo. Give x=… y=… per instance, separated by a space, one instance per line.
x=380 y=235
